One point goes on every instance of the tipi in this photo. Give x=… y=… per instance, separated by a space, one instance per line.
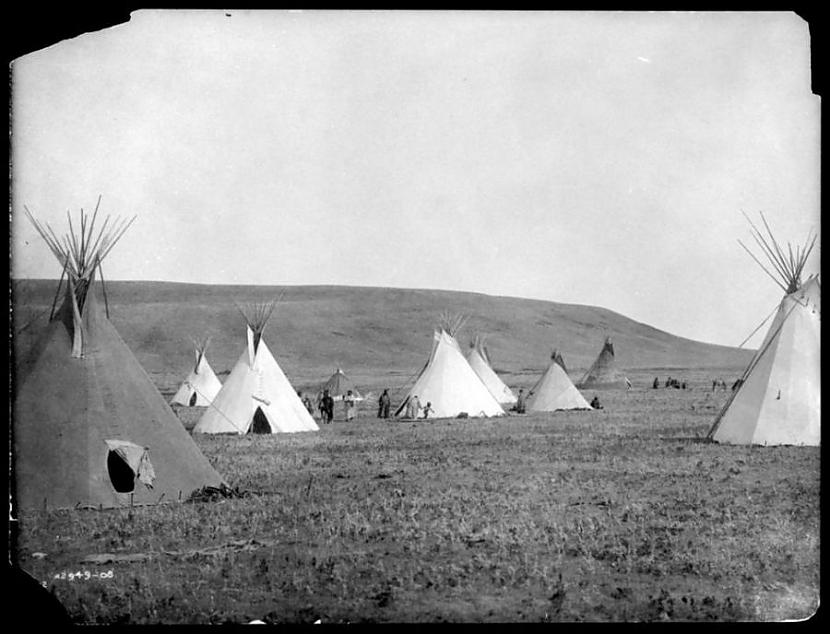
x=778 y=401
x=339 y=384
x=448 y=382
x=604 y=374
x=256 y=397
x=90 y=428
x=479 y=359
x=201 y=386
x=554 y=390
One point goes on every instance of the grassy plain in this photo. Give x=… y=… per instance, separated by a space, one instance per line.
x=619 y=514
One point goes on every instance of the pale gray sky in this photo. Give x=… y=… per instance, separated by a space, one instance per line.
x=591 y=158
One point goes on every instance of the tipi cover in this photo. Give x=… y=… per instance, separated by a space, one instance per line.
x=90 y=428
x=604 y=374
x=450 y=384
x=339 y=384
x=554 y=390
x=778 y=401
x=479 y=361
x=201 y=385
x=256 y=397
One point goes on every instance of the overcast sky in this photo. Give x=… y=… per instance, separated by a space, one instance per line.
x=589 y=158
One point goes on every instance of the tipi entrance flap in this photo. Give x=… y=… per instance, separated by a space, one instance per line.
x=128 y=462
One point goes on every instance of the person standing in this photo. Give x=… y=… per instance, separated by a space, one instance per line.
x=327 y=406
x=521 y=402
x=383 y=404
x=428 y=410
x=350 y=405
x=413 y=407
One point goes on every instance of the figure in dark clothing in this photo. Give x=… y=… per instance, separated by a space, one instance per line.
x=521 y=402
x=595 y=403
x=656 y=383
x=668 y=382
x=383 y=404
x=736 y=384
x=327 y=407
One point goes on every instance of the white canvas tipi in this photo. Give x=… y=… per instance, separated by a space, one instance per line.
x=257 y=397
x=201 y=386
x=778 y=399
x=448 y=382
x=479 y=361
x=555 y=390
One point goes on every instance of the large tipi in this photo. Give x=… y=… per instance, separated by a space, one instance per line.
x=90 y=428
x=479 y=360
x=202 y=385
x=448 y=382
x=604 y=374
x=256 y=397
x=554 y=390
x=778 y=399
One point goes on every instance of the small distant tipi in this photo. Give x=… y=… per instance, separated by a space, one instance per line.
x=89 y=426
x=256 y=397
x=339 y=384
x=479 y=360
x=604 y=374
x=778 y=398
x=201 y=386
x=554 y=390
x=448 y=382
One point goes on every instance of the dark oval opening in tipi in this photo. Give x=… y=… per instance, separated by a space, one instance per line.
x=121 y=474
x=260 y=424
x=193 y=399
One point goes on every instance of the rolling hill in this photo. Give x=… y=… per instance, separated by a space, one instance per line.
x=369 y=332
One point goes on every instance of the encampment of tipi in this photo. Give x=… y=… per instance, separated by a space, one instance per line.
x=449 y=384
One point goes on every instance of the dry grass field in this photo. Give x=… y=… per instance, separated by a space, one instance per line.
x=623 y=514
x=619 y=514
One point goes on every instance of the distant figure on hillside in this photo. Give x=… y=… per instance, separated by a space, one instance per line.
x=413 y=406
x=428 y=410
x=521 y=402
x=383 y=404
x=595 y=402
x=715 y=385
x=723 y=385
x=351 y=406
x=683 y=385
x=627 y=383
x=676 y=384
x=656 y=383
x=668 y=382
x=327 y=407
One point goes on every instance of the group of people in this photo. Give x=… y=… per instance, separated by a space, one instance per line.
x=413 y=408
x=325 y=405
x=670 y=382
